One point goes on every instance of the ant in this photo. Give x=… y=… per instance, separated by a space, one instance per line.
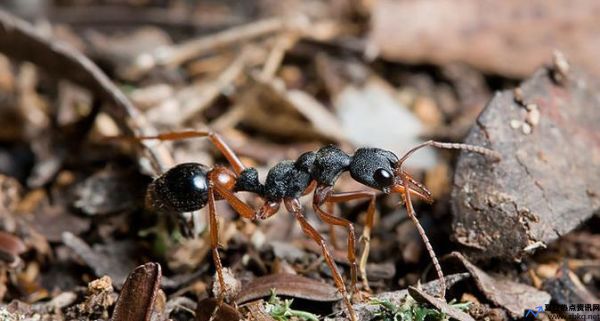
x=191 y=186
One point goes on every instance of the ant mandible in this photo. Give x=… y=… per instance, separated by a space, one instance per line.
x=191 y=186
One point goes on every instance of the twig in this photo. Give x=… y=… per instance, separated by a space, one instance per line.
x=283 y=43
x=178 y=54
x=205 y=94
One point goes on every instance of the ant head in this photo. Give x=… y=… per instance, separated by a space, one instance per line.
x=375 y=168
x=183 y=188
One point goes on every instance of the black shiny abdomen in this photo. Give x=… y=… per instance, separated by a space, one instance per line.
x=183 y=188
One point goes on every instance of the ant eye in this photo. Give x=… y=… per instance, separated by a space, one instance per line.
x=383 y=177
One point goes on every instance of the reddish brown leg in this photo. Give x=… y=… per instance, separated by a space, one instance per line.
x=413 y=216
x=267 y=210
x=294 y=207
x=321 y=194
x=311 y=187
x=214 y=241
x=325 y=195
x=215 y=139
x=332 y=237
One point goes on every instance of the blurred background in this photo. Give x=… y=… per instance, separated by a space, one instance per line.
x=276 y=79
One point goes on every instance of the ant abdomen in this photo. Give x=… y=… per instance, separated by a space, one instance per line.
x=183 y=188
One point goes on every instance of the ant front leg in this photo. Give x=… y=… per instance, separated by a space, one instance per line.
x=324 y=194
x=293 y=206
x=214 y=138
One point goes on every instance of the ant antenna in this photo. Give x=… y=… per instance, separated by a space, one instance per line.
x=413 y=216
x=406 y=195
x=494 y=155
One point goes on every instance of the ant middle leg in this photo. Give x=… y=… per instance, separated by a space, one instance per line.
x=324 y=194
x=293 y=206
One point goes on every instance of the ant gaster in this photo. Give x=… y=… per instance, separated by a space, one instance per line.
x=191 y=186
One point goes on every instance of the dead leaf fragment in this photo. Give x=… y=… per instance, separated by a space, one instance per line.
x=512 y=296
x=289 y=285
x=136 y=300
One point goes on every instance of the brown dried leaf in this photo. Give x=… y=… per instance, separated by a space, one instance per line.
x=11 y=244
x=509 y=37
x=136 y=300
x=289 y=285
x=512 y=296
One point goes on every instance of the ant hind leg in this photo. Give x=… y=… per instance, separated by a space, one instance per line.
x=214 y=138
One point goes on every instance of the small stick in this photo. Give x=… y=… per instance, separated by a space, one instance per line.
x=178 y=54
x=208 y=93
x=283 y=43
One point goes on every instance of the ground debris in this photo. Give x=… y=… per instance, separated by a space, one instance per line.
x=112 y=259
x=512 y=296
x=442 y=305
x=99 y=298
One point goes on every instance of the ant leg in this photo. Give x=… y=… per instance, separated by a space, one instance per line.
x=294 y=207
x=366 y=234
x=322 y=193
x=214 y=138
x=214 y=241
x=471 y=148
x=310 y=188
x=332 y=237
x=413 y=216
x=267 y=210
